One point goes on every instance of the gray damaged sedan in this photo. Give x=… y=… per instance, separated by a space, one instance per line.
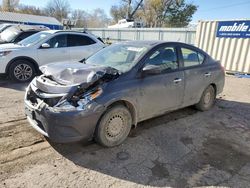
x=105 y=95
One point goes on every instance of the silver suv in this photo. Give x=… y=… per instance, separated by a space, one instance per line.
x=21 y=61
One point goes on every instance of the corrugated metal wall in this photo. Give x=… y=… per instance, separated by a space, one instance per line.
x=234 y=53
x=168 y=34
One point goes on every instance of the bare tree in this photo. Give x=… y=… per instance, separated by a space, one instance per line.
x=26 y=9
x=132 y=7
x=118 y=12
x=98 y=18
x=9 y=5
x=81 y=18
x=126 y=9
x=58 y=9
x=131 y=13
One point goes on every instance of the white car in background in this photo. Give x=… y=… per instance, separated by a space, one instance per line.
x=126 y=23
x=5 y=26
x=21 y=61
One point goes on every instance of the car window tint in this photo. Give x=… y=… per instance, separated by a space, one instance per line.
x=24 y=35
x=191 y=57
x=165 y=58
x=80 y=40
x=58 y=41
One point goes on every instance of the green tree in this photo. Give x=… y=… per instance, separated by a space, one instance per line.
x=156 y=13
x=180 y=15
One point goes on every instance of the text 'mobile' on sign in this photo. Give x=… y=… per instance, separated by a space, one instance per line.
x=234 y=29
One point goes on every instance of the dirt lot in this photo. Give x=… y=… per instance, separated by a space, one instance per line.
x=185 y=148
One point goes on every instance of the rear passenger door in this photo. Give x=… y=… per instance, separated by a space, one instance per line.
x=81 y=46
x=197 y=74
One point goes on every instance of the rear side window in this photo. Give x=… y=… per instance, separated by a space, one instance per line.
x=79 y=40
x=191 y=57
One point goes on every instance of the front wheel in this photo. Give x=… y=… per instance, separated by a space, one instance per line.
x=207 y=99
x=22 y=71
x=114 y=126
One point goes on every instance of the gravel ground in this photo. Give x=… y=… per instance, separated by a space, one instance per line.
x=185 y=148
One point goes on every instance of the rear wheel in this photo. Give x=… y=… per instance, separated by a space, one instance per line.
x=22 y=71
x=114 y=126
x=207 y=99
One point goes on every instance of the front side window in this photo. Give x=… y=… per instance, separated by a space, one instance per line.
x=79 y=40
x=165 y=58
x=59 y=41
x=191 y=57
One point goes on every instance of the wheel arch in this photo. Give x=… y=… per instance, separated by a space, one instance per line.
x=215 y=87
x=128 y=105
x=22 y=58
x=210 y=84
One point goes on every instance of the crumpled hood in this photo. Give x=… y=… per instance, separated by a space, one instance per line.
x=75 y=73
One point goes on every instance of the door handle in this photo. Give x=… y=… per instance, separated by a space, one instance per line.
x=207 y=74
x=177 y=80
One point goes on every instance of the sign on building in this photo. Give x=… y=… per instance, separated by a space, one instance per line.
x=233 y=29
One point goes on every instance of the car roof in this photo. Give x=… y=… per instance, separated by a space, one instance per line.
x=22 y=27
x=64 y=31
x=152 y=43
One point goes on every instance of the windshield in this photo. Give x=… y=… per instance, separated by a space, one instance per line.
x=10 y=34
x=34 y=39
x=119 y=56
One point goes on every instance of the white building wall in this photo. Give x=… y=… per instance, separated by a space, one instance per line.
x=234 y=53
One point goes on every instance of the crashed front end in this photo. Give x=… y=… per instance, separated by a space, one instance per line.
x=61 y=105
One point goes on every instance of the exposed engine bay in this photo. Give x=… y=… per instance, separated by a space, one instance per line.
x=69 y=86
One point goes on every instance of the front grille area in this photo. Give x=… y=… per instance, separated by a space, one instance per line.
x=34 y=98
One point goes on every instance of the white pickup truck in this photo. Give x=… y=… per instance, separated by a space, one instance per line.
x=125 y=23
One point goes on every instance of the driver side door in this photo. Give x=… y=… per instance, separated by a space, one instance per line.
x=163 y=91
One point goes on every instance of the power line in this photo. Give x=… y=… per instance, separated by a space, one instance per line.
x=227 y=6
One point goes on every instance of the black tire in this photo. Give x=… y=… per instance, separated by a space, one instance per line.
x=22 y=71
x=114 y=126
x=207 y=99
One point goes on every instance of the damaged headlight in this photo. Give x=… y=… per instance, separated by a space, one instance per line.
x=83 y=101
x=79 y=102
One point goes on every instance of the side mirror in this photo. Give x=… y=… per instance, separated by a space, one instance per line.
x=45 y=45
x=151 y=69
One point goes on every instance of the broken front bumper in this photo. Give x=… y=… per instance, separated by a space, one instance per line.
x=63 y=126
